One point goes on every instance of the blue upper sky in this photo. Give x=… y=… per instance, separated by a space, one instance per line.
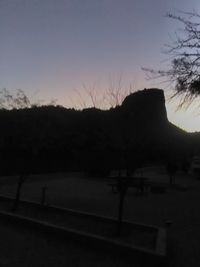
x=50 y=48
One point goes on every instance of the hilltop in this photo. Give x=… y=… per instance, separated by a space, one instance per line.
x=53 y=138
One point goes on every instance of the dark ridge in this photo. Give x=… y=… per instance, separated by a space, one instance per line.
x=52 y=138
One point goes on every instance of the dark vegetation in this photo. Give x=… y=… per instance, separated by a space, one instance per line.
x=184 y=54
x=53 y=138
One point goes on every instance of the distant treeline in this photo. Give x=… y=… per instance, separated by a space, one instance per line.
x=50 y=138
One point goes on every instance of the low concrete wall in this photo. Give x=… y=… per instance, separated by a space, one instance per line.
x=157 y=257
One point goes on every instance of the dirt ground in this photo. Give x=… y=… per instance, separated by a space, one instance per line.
x=179 y=205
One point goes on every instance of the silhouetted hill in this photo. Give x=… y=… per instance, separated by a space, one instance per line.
x=52 y=138
x=149 y=102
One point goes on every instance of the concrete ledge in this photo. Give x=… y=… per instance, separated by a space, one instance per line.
x=156 y=256
x=137 y=225
x=133 y=252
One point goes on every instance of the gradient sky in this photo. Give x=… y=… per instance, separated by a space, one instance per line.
x=50 y=48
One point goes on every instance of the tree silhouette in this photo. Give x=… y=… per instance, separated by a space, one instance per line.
x=184 y=71
x=122 y=186
x=20 y=100
x=14 y=101
x=24 y=164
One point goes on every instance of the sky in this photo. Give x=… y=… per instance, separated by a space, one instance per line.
x=64 y=49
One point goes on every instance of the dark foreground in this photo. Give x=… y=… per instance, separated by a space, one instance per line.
x=178 y=204
x=21 y=247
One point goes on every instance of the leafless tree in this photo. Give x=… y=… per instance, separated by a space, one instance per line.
x=184 y=54
x=19 y=100
x=116 y=93
x=111 y=97
x=13 y=101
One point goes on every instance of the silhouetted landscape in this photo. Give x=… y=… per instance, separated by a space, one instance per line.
x=93 y=172
x=96 y=182
x=53 y=138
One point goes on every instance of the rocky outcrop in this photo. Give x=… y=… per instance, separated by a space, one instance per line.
x=65 y=138
x=147 y=105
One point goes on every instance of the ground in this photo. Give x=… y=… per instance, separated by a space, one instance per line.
x=179 y=204
x=21 y=247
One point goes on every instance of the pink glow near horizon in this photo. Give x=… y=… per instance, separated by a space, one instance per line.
x=50 y=48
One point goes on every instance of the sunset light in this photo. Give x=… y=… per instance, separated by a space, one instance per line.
x=99 y=133
x=49 y=50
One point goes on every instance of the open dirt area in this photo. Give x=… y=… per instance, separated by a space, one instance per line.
x=179 y=205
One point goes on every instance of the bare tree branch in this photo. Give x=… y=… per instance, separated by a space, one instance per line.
x=184 y=52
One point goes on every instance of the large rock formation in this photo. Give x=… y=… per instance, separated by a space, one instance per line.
x=147 y=105
x=59 y=138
